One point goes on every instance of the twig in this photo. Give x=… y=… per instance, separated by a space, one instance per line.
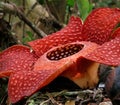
x=43 y=103
x=33 y=6
x=52 y=99
x=23 y=21
x=13 y=9
x=81 y=92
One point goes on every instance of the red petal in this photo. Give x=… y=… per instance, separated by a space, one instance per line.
x=71 y=33
x=100 y=23
x=16 y=58
x=25 y=83
x=108 y=53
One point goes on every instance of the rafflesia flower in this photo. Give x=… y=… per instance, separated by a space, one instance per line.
x=74 y=52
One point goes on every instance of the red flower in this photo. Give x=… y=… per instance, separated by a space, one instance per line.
x=74 y=52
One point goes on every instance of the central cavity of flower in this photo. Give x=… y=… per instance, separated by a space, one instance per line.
x=65 y=51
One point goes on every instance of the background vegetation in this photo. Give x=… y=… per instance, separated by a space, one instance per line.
x=46 y=17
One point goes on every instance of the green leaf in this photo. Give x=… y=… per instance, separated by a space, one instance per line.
x=70 y=3
x=30 y=34
x=28 y=38
x=84 y=8
x=31 y=102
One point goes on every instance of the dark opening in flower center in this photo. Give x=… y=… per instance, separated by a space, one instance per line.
x=64 y=51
